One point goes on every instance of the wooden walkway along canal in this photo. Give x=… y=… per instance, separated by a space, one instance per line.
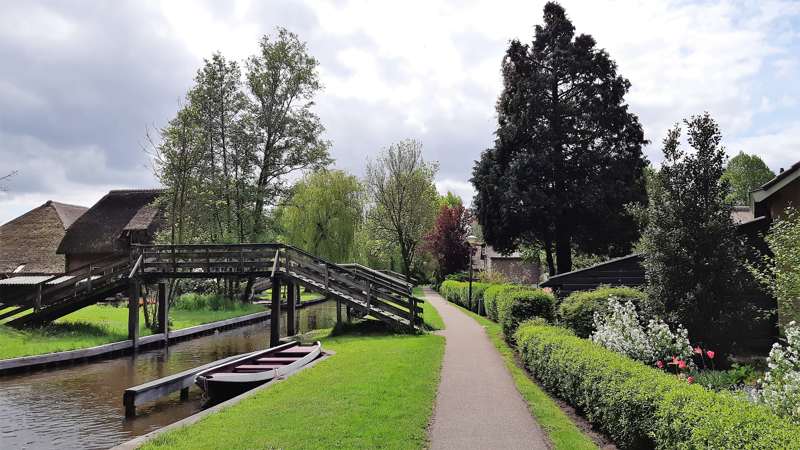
x=364 y=291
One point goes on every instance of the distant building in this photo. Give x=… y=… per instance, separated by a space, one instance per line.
x=108 y=228
x=28 y=243
x=513 y=266
x=772 y=198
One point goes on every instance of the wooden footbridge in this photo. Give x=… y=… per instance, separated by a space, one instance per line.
x=362 y=290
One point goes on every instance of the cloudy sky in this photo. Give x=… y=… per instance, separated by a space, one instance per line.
x=81 y=82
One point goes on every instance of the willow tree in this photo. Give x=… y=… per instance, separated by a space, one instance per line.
x=323 y=215
x=403 y=198
x=567 y=159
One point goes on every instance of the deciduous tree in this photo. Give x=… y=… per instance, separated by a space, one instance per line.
x=447 y=241
x=567 y=157
x=403 y=198
x=744 y=174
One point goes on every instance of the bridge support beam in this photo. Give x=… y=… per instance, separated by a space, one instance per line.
x=275 y=315
x=338 y=311
x=134 y=292
x=163 y=312
x=291 y=308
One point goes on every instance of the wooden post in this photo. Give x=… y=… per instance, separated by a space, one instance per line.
x=349 y=312
x=133 y=313
x=275 y=315
x=163 y=312
x=338 y=311
x=185 y=394
x=291 y=311
x=37 y=305
x=297 y=294
x=413 y=316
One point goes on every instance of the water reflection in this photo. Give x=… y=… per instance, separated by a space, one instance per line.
x=80 y=406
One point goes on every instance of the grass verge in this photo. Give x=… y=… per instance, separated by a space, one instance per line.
x=562 y=431
x=378 y=391
x=431 y=317
x=98 y=325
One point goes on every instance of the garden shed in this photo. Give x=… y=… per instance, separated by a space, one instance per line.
x=119 y=219
x=623 y=271
x=28 y=243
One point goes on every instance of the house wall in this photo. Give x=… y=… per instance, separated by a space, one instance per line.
x=32 y=239
x=516 y=270
x=779 y=201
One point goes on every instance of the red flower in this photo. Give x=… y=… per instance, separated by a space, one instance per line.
x=681 y=364
x=690 y=379
x=660 y=364
x=698 y=350
x=674 y=360
x=710 y=354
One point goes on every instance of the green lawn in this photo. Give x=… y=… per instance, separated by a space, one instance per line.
x=377 y=391
x=563 y=432
x=97 y=325
x=305 y=296
x=431 y=317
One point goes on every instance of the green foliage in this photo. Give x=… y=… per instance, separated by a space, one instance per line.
x=692 y=253
x=515 y=306
x=400 y=187
x=578 y=309
x=779 y=273
x=458 y=293
x=450 y=200
x=492 y=295
x=545 y=182
x=211 y=302
x=745 y=173
x=641 y=407
x=324 y=214
x=725 y=380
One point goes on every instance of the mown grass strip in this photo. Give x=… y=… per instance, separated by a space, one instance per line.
x=431 y=317
x=561 y=430
x=378 y=391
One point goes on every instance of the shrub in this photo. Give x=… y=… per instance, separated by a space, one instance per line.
x=641 y=407
x=781 y=384
x=620 y=330
x=515 y=306
x=458 y=293
x=577 y=310
x=195 y=302
x=491 y=295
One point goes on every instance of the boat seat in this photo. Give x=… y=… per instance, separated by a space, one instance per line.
x=256 y=367
x=297 y=352
x=275 y=360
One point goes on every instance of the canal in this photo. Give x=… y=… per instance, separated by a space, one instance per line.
x=80 y=406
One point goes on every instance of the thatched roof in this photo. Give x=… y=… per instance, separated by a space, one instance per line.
x=101 y=229
x=28 y=243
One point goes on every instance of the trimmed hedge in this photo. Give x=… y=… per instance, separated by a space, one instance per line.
x=491 y=295
x=641 y=407
x=515 y=306
x=577 y=310
x=458 y=292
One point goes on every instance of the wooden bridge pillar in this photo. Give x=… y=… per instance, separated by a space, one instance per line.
x=338 y=311
x=275 y=315
x=291 y=311
x=133 y=313
x=163 y=312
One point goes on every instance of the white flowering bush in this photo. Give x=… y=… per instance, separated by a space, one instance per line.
x=621 y=330
x=780 y=388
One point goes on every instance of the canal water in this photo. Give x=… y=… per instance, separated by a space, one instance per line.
x=80 y=406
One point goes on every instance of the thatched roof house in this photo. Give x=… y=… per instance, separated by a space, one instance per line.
x=120 y=218
x=28 y=243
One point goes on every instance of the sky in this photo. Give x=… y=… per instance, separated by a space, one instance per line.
x=83 y=83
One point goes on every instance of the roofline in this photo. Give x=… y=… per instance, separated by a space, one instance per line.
x=774 y=185
x=43 y=205
x=610 y=261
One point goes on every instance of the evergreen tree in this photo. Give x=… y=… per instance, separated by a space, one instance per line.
x=693 y=256
x=567 y=157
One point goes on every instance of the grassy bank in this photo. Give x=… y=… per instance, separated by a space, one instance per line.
x=378 y=391
x=431 y=317
x=305 y=295
x=563 y=432
x=97 y=325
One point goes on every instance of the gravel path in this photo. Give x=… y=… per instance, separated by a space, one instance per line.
x=477 y=406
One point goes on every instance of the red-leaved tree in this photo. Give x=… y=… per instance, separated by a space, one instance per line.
x=447 y=242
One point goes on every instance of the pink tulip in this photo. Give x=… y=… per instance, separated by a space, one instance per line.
x=698 y=350
x=710 y=354
x=660 y=364
x=681 y=364
x=690 y=379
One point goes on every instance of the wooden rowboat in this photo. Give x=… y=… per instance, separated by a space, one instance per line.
x=230 y=379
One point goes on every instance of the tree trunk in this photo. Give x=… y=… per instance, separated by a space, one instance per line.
x=563 y=250
x=548 y=251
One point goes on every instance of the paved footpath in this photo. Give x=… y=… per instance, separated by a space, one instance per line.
x=478 y=405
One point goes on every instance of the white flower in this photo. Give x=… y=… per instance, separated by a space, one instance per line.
x=780 y=388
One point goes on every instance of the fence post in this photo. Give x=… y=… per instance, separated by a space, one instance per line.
x=291 y=311
x=275 y=314
x=133 y=313
x=163 y=312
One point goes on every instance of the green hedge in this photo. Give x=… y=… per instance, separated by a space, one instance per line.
x=458 y=292
x=491 y=295
x=642 y=407
x=577 y=310
x=515 y=306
